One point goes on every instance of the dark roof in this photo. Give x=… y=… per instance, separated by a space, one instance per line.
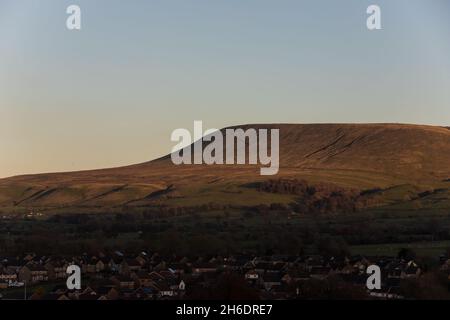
x=123 y=278
x=103 y=290
x=88 y=296
x=133 y=263
x=271 y=277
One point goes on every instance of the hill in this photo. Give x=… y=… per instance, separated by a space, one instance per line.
x=371 y=164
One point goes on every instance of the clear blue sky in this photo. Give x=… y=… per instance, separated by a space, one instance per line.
x=112 y=93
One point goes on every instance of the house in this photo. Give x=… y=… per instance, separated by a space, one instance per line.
x=165 y=290
x=252 y=275
x=12 y=264
x=168 y=275
x=156 y=277
x=140 y=294
x=279 y=292
x=107 y=293
x=8 y=276
x=412 y=270
x=262 y=266
x=29 y=257
x=270 y=280
x=446 y=265
x=143 y=279
x=94 y=265
x=56 y=269
x=178 y=268
x=89 y=296
x=233 y=265
x=348 y=269
x=115 y=264
x=287 y=278
x=165 y=277
x=142 y=258
x=87 y=289
x=101 y=265
x=160 y=265
x=33 y=274
x=60 y=289
x=394 y=271
x=274 y=267
x=320 y=273
x=200 y=268
x=298 y=275
x=130 y=265
x=314 y=261
x=123 y=282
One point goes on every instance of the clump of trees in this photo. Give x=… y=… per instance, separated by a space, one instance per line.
x=318 y=198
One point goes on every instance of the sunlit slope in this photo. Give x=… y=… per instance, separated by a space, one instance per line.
x=402 y=161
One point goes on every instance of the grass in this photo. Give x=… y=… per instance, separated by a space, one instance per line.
x=229 y=195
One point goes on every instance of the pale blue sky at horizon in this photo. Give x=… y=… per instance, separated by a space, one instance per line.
x=112 y=93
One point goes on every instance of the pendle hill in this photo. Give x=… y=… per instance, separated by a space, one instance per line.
x=326 y=168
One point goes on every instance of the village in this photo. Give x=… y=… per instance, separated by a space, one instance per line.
x=149 y=276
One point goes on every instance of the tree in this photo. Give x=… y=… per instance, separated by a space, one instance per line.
x=406 y=254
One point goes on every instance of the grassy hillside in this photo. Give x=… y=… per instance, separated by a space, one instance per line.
x=404 y=166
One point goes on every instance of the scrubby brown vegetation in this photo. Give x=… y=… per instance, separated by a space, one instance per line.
x=323 y=168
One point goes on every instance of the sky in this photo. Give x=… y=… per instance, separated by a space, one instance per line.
x=112 y=93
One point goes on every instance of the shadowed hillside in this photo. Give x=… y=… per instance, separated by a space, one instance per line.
x=388 y=163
